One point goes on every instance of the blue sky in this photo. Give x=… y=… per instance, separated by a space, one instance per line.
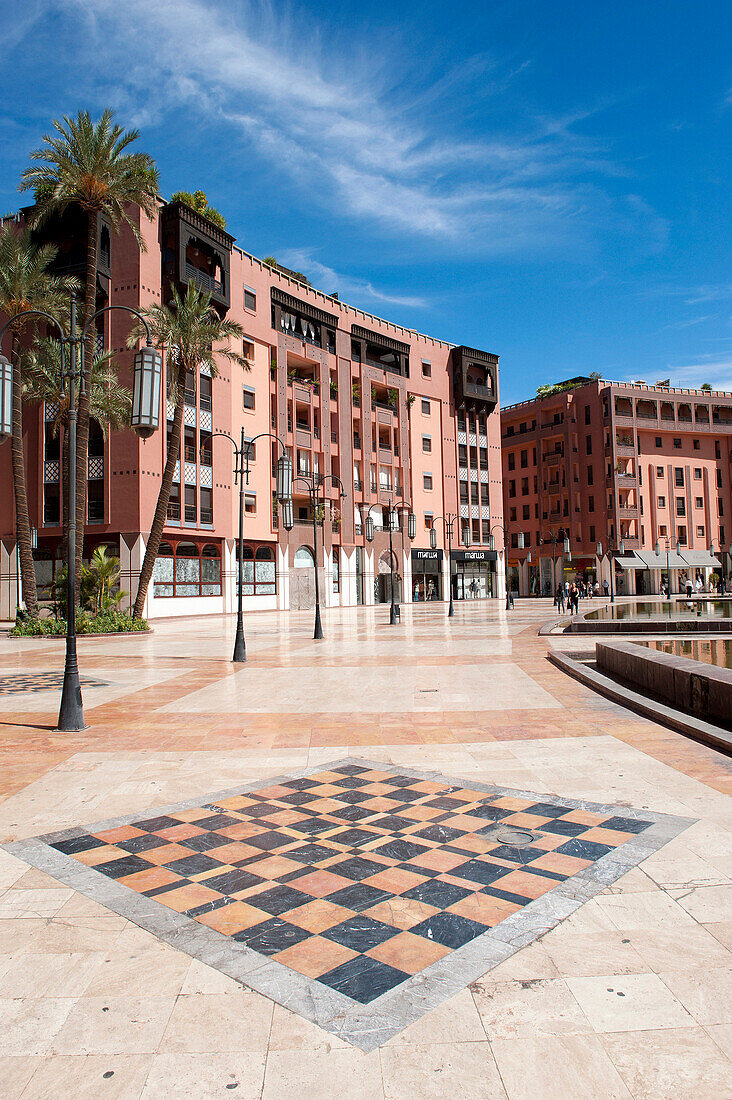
x=546 y=181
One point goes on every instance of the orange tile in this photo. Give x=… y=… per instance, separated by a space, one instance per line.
x=612 y=837
x=318 y=915
x=484 y=909
x=315 y=956
x=582 y=817
x=440 y=860
x=563 y=865
x=319 y=883
x=232 y=918
x=149 y=880
x=528 y=886
x=401 y=912
x=180 y=832
x=395 y=880
x=114 y=836
x=188 y=897
x=408 y=952
x=272 y=866
x=419 y=813
x=241 y=831
x=94 y=856
x=232 y=853
x=167 y=854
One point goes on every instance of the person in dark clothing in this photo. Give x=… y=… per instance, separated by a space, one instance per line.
x=559 y=598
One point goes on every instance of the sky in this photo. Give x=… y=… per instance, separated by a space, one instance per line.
x=545 y=181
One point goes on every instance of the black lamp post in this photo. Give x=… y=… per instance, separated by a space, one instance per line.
x=392 y=512
x=723 y=555
x=449 y=522
x=554 y=540
x=242 y=454
x=144 y=420
x=506 y=531
x=313 y=484
x=668 y=561
x=620 y=549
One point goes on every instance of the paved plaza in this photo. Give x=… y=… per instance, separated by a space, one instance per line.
x=408 y=861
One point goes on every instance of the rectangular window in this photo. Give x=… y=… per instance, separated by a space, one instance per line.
x=524 y=459
x=680 y=506
x=720 y=508
x=700 y=532
x=681 y=535
x=677 y=444
x=250 y=299
x=512 y=460
x=428 y=518
x=662 y=502
x=426 y=369
x=425 y=406
x=588 y=415
x=427 y=444
x=524 y=486
x=428 y=481
x=591 y=504
x=248 y=350
x=697 y=473
x=526 y=511
x=588 y=445
x=590 y=476
x=662 y=529
x=719 y=479
x=248 y=398
x=512 y=488
x=696 y=445
x=659 y=471
x=659 y=441
x=206 y=505
x=250 y=503
x=679 y=475
x=699 y=502
x=592 y=533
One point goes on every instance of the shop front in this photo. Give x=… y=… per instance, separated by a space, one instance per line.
x=473 y=574
x=426 y=575
x=580 y=570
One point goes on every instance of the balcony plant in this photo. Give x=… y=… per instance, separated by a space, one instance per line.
x=198 y=202
x=411 y=398
x=356 y=394
x=333 y=387
x=393 y=396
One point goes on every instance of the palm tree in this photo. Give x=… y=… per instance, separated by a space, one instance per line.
x=186 y=331
x=86 y=163
x=109 y=401
x=25 y=283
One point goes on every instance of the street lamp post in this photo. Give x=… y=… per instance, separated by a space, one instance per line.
x=723 y=555
x=620 y=549
x=313 y=484
x=144 y=420
x=506 y=531
x=242 y=454
x=554 y=540
x=668 y=561
x=448 y=523
x=393 y=510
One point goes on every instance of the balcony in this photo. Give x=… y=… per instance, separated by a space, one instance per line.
x=173 y=510
x=553 y=458
x=197 y=250
x=475 y=378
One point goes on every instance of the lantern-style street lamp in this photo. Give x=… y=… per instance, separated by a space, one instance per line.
x=392 y=523
x=146 y=387
x=6 y=397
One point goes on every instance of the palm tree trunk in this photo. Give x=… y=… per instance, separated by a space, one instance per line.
x=22 y=522
x=82 y=424
x=161 y=508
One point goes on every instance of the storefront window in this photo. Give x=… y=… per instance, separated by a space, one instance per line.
x=258 y=567
x=187 y=570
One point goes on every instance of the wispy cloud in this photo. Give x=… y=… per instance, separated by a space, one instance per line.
x=714 y=369
x=351 y=131
x=355 y=290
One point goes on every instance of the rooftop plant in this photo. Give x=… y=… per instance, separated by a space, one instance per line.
x=198 y=202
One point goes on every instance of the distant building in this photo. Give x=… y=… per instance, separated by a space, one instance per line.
x=601 y=461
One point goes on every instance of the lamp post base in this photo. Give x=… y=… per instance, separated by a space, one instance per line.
x=240 y=648
x=318 y=632
x=71 y=712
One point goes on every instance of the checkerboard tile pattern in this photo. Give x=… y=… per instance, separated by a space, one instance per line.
x=354 y=877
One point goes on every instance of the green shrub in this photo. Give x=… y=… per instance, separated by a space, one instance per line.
x=109 y=621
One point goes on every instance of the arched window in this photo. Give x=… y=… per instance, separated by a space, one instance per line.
x=163 y=570
x=259 y=571
x=187 y=570
x=211 y=570
x=303 y=558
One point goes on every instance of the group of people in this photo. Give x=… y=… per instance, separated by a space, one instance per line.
x=569 y=595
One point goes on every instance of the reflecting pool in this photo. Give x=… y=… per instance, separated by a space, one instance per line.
x=662 y=609
x=716 y=652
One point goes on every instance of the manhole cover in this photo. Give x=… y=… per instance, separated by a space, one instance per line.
x=509 y=834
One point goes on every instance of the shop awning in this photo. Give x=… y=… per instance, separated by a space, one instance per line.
x=631 y=561
x=700 y=559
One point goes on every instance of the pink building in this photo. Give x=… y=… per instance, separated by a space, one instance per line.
x=601 y=462
x=394 y=414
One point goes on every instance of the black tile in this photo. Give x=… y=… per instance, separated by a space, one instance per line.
x=541 y=873
x=626 y=824
x=280 y=899
x=444 y=802
x=515 y=855
x=313 y=825
x=490 y=813
x=449 y=929
x=263 y=810
x=128 y=865
x=208 y=907
x=363 y=979
x=300 y=784
x=402 y=795
x=214 y=821
x=311 y=853
x=564 y=828
x=393 y=822
x=401 y=850
x=351 y=782
x=584 y=849
x=437 y=893
x=271 y=936
x=443 y=834
x=506 y=895
x=195 y=864
x=402 y=780
x=299 y=798
x=352 y=797
x=204 y=841
x=360 y=933
x=350 y=769
x=144 y=843
x=358 y=897
x=547 y=809
x=154 y=824
x=357 y=868
x=78 y=844
x=353 y=838
x=428 y=872
x=167 y=888
x=268 y=841
x=479 y=870
x=230 y=882
x=353 y=813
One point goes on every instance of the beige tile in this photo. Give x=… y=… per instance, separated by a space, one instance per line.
x=440 y=1071
x=685 y=949
x=38 y=975
x=205 y=1076
x=29 y=1026
x=558 y=1067
x=219 y=1022
x=510 y=1010
x=707 y=903
x=706 y=994
x=94 y=1077
x=292 y=1032
x=114 y=1025
x=17 y=903
x=525 y=965
x=722 y=931
x=652 y=910
x=722 y=1035
x=455 y=1021
x=204 y=979
x=670 y=1064
x=630 y=1002
x=157 y=971
x=587 y=953
x=346 y=1074
x=15 y=1073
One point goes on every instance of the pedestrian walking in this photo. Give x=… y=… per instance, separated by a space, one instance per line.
x=559 y=598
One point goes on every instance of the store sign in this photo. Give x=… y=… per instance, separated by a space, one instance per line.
x=475 y=555
x=426 y=555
